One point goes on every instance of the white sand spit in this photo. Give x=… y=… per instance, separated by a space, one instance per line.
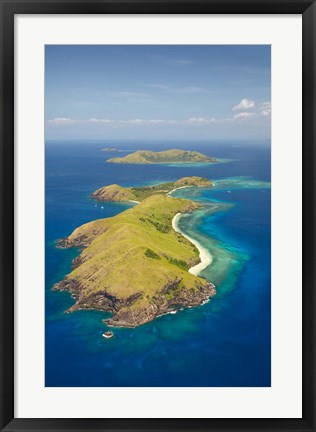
x=205 y=256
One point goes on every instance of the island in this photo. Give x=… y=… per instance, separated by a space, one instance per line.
x=116 y=193
x=135 y=264
x=163 y=157
x=111 y=149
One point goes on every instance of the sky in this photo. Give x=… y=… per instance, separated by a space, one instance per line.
x=113 y=92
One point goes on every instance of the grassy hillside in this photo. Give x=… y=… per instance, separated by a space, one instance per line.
x=135 y=265
x=166 y=156
x=115 y=193
x=118 y=193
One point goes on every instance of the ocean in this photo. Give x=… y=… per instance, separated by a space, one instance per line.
x=223 y=343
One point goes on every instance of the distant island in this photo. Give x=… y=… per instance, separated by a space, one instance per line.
x=166 y=156
x=118 y=193
x=137 y=265
x=111 y=149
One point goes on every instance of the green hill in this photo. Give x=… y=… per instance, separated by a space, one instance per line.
x=166 y=156
x=135 y=265
x=118 y=193
x=115 y=193
x=110 y=149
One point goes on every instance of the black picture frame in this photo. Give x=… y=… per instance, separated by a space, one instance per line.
x=8 y=10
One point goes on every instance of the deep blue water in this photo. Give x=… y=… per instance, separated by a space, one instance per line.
x=225 y=342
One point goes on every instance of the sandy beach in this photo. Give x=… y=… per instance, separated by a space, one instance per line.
x=205 y=256
x=181 y=187
x=184 y=187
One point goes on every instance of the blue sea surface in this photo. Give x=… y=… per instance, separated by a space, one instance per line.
x=225 y=342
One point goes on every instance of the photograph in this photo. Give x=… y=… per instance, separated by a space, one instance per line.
x=157 y=215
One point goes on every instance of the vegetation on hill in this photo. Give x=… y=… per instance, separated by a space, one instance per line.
x=118 y=193
x=166 y=156
x=111 y=149
x=135 y=265
x=115 y=193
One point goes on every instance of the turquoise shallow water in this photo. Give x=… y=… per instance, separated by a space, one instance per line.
x=225 y=342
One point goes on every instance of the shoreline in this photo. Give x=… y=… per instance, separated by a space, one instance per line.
x=180 y=187
x=188 y=186
x=205 y=257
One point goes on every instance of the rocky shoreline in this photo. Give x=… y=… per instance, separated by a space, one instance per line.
x=134 y=265
x=122 y=314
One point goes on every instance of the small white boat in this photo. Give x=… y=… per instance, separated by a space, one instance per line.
x=108 y=334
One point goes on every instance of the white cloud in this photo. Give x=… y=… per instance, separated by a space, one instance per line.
x=244 y=104
x=243 y=115
x=262 y=109
x=197 y=120
x=203 y=120
x=265 y=109
x=159 y=121
x=200 y=121
x=96 y=120
x=62 y=121
x=192 y=121
x=136 y=121
x=148 y=122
